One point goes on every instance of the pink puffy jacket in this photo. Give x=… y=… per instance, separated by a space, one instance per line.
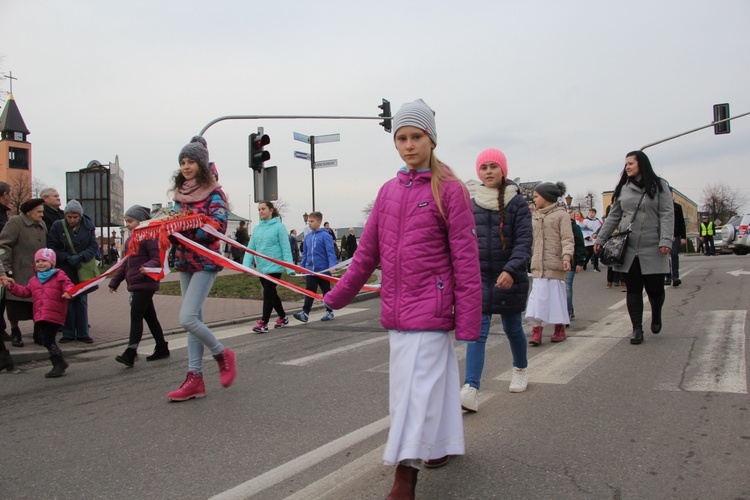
x=48 y=302
x=430 y=264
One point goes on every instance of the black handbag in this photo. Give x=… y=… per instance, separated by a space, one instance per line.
x=613 y=251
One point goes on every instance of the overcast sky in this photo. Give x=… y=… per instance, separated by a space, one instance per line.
x=565 y=89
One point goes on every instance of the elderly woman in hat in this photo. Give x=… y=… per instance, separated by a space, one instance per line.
x=74 y=241
x=21 y=237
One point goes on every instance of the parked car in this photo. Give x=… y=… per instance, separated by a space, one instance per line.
x=735 y=236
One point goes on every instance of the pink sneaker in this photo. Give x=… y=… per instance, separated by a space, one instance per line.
x=227 y=367
x=192 y=387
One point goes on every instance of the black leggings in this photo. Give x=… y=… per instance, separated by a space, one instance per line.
x=48 y=331
x=271 y=299
x=142 y=308
x=654 y=285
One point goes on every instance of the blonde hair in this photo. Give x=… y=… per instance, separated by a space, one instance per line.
x=440 y=174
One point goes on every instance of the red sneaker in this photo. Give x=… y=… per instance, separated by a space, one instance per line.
x=192 y=387
x=227 y=367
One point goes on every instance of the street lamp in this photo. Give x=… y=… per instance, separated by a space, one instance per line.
x=568 y=200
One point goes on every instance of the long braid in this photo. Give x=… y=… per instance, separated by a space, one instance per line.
x=501 y=204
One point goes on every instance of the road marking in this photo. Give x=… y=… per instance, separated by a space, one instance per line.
x=301 y=463
x=307 y=360
x=716 y=363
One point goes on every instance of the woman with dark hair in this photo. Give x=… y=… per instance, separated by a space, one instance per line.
x=642 y=204
x=21 y=237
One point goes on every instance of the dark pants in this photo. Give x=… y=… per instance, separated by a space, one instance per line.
x=708 y=245
x=48 y=331
x=613 y=276
x=675 y=256
x=77 y=319
x=142 y=308
x=654 y=285
x=312 y=283
x=271 y=299
x=590 y=255
x=3 y=325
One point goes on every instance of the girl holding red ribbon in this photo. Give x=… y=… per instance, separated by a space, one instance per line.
x=197 y=191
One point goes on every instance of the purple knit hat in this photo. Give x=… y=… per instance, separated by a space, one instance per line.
x=492 y=155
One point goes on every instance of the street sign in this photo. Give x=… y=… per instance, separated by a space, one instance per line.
x=301 y=137
x=301 y=155
x=326 y=163
x=319 y=139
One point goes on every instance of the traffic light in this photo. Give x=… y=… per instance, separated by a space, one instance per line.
x=721 y=112
x=257 y=154
x=386 y=123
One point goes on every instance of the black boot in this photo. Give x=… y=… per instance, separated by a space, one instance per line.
x=161 y=351
x=128 y=357
x=6 y=361
x=15 y=337
x=59 y=365
x=637 y=335
x=656 y=307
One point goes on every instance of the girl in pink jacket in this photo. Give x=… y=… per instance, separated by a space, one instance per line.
x=49 y=290
x=421 y=232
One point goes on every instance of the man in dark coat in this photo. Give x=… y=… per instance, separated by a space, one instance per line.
x=52 y=204
x=680 y=238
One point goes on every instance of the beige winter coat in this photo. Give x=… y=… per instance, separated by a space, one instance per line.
x=20 y=239
x=553 y=242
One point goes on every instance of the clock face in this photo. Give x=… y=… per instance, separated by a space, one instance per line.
x=18 y=136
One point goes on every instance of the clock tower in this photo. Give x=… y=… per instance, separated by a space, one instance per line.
x=15 y=150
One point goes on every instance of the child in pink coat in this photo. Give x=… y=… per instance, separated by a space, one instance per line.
x=49 y=290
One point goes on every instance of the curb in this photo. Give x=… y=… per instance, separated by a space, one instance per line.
x=43 y=355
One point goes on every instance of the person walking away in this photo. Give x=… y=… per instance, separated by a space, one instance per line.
x=590 y=226
x=197 y=191
x=270 y=239
x=293 y=246
x=351 y=244
x=142 y=289
x=680 y=238
x=641 y=203
x=707 y=236
x=49 y=289
x=74 y=241
x=421 y=232
x=241 y=237
x=551 y=257
x=579 y=259
x=318 y=256
x=21 y=237
x=504 y=232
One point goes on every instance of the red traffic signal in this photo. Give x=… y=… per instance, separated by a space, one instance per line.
x=257 y=154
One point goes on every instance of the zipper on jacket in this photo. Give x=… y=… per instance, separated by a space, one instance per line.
x=401 y=219
x=439 y=302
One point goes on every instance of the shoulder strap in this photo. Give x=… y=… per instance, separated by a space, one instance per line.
x=67 y=235
x=636 y=210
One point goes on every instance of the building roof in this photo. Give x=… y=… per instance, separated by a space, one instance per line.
x=11 y=119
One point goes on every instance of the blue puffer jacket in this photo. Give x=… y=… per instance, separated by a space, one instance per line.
x=270 y=238
x=514 y=258
x=319 y=253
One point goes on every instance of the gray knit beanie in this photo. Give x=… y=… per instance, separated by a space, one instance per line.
x=196 y=150
x=416 y=114
x=549 y=191
x=138 y=212
x=74 y=206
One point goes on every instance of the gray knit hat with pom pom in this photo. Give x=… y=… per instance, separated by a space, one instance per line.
x=196 y=150
x=551 y=192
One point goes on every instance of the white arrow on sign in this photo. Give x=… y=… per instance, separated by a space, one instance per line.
x=301 y=155
x=738 y=272
x=326 y=163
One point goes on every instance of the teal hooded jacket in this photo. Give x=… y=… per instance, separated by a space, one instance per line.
x=270 y=238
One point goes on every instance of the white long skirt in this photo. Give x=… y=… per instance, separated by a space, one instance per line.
x=548 y=302
x=425 y=405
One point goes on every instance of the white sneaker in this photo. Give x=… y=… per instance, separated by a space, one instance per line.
x=469 y=400
x=519 y=381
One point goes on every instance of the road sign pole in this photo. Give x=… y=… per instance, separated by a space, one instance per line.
x=312 y=168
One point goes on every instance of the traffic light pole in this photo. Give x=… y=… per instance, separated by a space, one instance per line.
x=284 y=117
x=312 y=168
x=693 y=130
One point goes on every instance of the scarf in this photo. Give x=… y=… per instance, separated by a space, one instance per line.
x=43 y=276
x=487 y=197
x=192 y=192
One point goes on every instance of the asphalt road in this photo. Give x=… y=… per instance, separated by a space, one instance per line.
x=307 y=416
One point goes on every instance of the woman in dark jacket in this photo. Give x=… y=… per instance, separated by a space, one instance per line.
x=83 y=236
x=142 y=289
x=505 y=239
x=643 y=204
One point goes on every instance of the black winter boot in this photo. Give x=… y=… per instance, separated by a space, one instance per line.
x=637 y=336
x=6 y=361
x=15 y=337
x=656 y=307
x=59 y=365
x=128 y=357
x=161 y=351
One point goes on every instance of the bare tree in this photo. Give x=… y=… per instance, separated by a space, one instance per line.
x=368 y=209
x=282 y=206
x=37 y=187
x=722 y=202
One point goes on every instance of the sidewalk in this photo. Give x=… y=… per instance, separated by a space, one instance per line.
x=109 y=317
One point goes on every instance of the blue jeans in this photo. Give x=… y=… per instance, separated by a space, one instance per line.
x=513 y=327
x=569 y=277
x=195 y=288
x=77 y=318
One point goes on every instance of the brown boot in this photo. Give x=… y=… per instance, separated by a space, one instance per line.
x=536 y=335
x=405 y=484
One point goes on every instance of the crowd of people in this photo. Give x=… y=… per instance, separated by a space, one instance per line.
x=449 y=262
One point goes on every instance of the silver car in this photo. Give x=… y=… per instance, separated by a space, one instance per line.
x=735 y=235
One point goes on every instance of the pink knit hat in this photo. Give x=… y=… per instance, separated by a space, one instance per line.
x=46 y=254
x=493 y=156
